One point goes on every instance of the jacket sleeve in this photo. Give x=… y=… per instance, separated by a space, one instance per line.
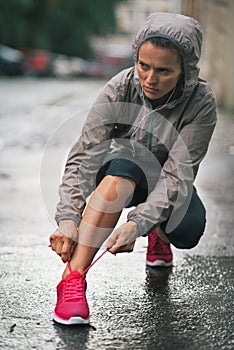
x=174 y=186
x=86 y=156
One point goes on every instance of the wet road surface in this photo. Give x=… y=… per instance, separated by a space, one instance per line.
x=189 y=306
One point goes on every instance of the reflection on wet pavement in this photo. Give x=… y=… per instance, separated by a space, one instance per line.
x=189 y=306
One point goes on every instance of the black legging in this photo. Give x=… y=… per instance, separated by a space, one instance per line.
x=191 y=223
x=188 y=232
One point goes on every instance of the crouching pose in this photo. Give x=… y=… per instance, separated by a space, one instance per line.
x=140 y=147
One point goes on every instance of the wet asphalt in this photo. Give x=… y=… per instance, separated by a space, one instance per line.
x=189 y=306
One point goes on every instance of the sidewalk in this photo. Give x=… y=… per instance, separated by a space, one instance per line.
x=189 y=306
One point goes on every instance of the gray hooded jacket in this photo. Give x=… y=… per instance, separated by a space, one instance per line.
x=168 y=142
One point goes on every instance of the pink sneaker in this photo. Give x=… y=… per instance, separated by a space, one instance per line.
x=72 y=307
x=159 y=253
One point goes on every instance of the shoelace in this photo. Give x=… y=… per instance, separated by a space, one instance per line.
x=74 y=291
x=89 y=267
x=162 y=247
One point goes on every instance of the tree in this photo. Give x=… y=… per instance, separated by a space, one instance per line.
x=57 y=25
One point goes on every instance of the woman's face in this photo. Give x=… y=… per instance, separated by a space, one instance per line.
x=158 y=69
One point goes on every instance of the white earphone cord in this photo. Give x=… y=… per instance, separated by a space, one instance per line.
x=147 y=115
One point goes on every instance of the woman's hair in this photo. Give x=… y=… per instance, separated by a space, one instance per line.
x=164 y=43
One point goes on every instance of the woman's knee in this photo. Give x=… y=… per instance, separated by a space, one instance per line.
x=114 y=187
x=116 y=180
x=187 y=238
x=188 y=232
x=112 y=193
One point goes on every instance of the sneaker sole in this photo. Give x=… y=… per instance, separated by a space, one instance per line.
x=159 y=263
x=71 y=321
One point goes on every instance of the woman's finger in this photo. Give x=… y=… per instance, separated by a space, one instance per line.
x=112 y=240
x=59 y=247
x=66 y=250
x=126 y=248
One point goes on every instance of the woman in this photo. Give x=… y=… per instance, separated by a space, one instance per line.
x=141 y=146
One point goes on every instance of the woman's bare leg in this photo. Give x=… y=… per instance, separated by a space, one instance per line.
x=162 y=235
x=99 y=219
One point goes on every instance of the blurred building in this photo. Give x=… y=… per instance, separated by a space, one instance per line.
x=132 y=13
x=216 y=17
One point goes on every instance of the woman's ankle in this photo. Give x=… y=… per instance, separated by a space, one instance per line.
x=66 y=272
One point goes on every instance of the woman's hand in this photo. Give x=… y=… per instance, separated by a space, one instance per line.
x=64 y=239
x=123 y=238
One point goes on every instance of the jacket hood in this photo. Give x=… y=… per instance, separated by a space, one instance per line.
x=185 y=32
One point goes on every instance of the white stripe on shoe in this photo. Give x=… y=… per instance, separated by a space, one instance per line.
x=71 y=321
x=159 y=263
